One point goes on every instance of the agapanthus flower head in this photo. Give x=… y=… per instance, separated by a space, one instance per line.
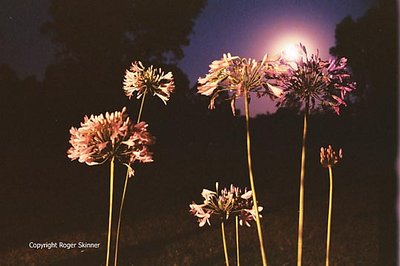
x=143 y=80
x=311 y=82
x=235 y=76
x=329 y=157
x=223 y=204
x=103 y=137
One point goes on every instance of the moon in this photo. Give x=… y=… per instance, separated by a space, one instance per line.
x=291 y=52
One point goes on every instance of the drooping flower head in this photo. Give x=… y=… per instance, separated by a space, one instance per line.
x=311 y=81
x=148 y=80
x=329 y=157
x=223 y=204
x=103 y=137
x=235 y=75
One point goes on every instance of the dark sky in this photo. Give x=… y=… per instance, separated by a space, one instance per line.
x=22 y=46
x=246 y=28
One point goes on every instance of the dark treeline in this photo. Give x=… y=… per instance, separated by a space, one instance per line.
x=195 y=147
x=371 y=44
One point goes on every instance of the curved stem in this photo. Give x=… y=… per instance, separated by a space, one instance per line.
x=258 y=223
x=328 y=233
x=224 y=243
x=141 y=107
x=120 y=218
x=301 y=194
x=110 y=211
x=237 y=241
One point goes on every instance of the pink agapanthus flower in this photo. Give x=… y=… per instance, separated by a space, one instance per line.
x=223 y=204
x=311 y=82
x=329 y=157
x=112 y=135
x=234 y=75
x=148 y=80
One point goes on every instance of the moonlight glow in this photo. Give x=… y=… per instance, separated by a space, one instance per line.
x=291 y=52
x=288 y=45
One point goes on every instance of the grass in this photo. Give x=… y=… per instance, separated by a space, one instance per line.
x=172 y=237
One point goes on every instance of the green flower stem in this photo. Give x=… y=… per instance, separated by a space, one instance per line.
x=328 y=232
x=301 y=194
x=258 y=223
x=110 y=211
x=237 y=241
x=141 y=106
x=224 y=243
x=120 y=218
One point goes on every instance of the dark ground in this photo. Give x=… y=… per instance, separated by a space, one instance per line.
x=58 y=200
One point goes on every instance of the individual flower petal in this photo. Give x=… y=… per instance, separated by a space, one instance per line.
x=276 y=91
x=247 y=195
x=207 y=194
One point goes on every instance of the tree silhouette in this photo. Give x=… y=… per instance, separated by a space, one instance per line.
x=96 y=41
x=115 y=32
x=371 y=45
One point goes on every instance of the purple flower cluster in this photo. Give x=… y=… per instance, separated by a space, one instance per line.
x=308 y=82
x=311 y=81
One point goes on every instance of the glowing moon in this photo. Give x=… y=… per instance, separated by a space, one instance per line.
x=291 y=52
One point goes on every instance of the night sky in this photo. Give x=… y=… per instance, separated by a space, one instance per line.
x=245 y=28
x=253 y=28
x=22 y=45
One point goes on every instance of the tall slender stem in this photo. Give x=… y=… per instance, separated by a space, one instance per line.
x=125 y=188
x=120 y=218
x=328 y=232
x=237 y=241
x=301 y=194
x=224 y=243
x=110 y=211
x=141 y=106
x=258 y=223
